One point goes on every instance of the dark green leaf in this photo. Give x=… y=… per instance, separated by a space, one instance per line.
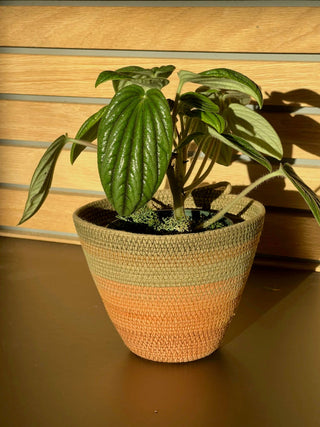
x=308 y=195
x=252 y=127
x=42 y=178
x=245 y=147
x=134 y=147
x=163 y=71
x=223 y=79
x=199 y=101
x=87 y=132
x=216 y=121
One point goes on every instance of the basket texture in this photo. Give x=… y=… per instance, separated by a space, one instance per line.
x=171 y=297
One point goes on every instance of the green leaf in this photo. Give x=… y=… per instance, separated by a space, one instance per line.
x=155 y=77
x=42 y=178
x=134 y=147
x=251 y=126
x=87 y=132
x=107 y=75
x=216 y=121
x=245 y=147
x=225 y=155
x=308 y=195
x=199 y=101
x=223 y=79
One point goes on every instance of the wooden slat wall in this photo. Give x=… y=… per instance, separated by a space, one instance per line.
x=258 y=29
x=52 y=54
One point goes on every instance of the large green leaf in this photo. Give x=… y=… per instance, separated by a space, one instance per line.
x=134 y=147
x=87 y=132
x=251 y=126
x=240 y=144
x=42 y=178
x=308 y=195
x=223 y=79
x=155 y=77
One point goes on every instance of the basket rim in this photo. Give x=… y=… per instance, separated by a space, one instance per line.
x=220 y=231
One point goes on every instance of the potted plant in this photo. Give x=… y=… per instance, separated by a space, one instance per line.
x=170 y=265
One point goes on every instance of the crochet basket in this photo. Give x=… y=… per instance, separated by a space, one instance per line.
x=170 y=297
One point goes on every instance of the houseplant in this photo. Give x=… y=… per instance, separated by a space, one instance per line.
x=172 y=288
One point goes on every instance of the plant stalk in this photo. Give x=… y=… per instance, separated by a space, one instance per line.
x=243 y=193
x=81 y=142
x=177 y=193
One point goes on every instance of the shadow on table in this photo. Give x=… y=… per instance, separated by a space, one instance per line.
x=265 y=288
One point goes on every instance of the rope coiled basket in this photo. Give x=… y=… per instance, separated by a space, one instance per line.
x=171 y=297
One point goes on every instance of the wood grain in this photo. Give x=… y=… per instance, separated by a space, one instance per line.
x=54 y=216
x=249 y=29
x=18 y=164
x=45 y=121
x=41 y=121
x=296 y=83
x=286 y=233
x=290 y=234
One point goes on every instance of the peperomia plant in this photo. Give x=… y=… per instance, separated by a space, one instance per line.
x=143 y=137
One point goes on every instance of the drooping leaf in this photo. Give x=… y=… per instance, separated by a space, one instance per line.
x=87 y=132
x=242 y=145
x=223 y=79
x=252 y=127
x=134 y=147
x=199 y=101
x=308 y=195
x=42 y=178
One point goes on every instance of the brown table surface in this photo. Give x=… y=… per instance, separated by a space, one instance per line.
x=63 y=364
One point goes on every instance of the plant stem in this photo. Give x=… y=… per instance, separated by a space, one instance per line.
x=243 y=193
x=81 y=142
x=213 y=152
x=194 y=161
x=177 y=194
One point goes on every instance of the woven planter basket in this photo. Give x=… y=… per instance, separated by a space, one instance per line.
x=171 y=297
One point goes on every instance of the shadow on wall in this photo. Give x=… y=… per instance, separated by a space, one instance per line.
x=297 y=131
x=294 y=129
x=285 y=113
